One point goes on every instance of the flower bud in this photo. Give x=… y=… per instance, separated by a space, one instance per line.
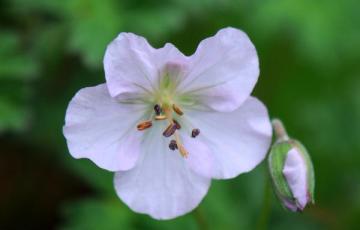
x=291 y=170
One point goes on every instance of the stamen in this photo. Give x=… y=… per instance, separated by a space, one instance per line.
x=195 y=133
x=160 y=117
x=170 y=130
x=173 y=126
x=157 y=109
x=178 y=126
x=173 y=145
x=144 y=125
x=181 y=148
x=177 y=109
x=183 y=151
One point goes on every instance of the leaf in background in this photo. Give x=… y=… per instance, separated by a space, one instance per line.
x=16 y=69
x=154 y=24
x=25 y=6
x=318 y=28
x=221 y=210
x=49 y=48
x=93 y=24
x=12 y=115
x=14 y=64
x=14 y=109
x=91 y=214
x=97 y=178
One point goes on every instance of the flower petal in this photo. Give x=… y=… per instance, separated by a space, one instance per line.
x=101 y=129
x=296 y=175
x=238 y=140
x=223 y=71
x=161 y=184
x=200 y=159
x=132 y=66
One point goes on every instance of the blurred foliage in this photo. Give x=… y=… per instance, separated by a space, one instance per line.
x=309 y=53
x=13 y=88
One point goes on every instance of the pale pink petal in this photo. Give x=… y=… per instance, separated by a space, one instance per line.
x=161 y=184
x=238 y=140
x=296 y=175
x=223 y=70
x=101 y=129
x=133 y=68
x=200 y=158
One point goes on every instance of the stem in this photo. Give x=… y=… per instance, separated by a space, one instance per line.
x=280 y=131
x=200 y=219
x=263 y=220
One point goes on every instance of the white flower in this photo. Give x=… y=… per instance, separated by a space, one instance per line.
x=224 y=131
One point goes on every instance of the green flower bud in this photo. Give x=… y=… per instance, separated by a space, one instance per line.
x=291 y=170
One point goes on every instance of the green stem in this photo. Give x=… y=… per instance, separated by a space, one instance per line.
x=279 y=130
x=200 y=219
x=263 y=220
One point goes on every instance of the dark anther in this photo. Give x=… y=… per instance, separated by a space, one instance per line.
x=195 y=132
x=157 y=109
x=170 y=130
x=173 y=145
x=178 y=126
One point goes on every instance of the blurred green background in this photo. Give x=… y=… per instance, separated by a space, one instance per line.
x=309 y=56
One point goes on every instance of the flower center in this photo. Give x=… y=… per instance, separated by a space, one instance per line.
x=165 y=113
x=166 y=107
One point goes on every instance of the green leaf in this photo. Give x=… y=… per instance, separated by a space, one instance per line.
x=14 y=112
x=12 y=115
x=93 y=24
x=92 y=214
x=14 y=63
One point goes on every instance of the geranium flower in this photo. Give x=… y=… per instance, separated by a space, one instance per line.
x=167 y=123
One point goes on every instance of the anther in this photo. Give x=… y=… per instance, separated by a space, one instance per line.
x=144 y=125
x=170 y=130
x=178 y=126
x=157 y=109
x=173 y=145
x=177 y=109
x=195 y=133
x=160 y=117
